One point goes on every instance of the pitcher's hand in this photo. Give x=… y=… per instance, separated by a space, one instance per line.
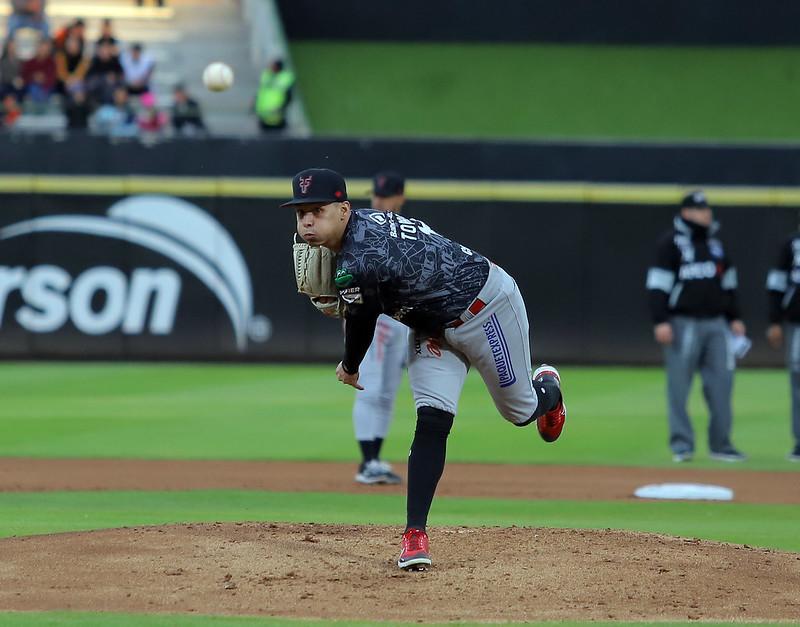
x=347 y=379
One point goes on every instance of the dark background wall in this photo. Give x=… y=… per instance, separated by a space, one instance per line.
x=688 y=164
x=581 y=266
x=581 y=269
x=649 y=22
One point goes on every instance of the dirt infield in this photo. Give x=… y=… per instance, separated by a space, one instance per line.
x=503 y=481
x=334 y=571
x=348 y=572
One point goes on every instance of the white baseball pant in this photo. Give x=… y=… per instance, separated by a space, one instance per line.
x=494 y=340
x=380 y=374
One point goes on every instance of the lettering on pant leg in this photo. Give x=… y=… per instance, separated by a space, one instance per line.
x=500 y=352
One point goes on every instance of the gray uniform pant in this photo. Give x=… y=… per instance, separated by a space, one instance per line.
x=699 y=344
x=495 y=342
x=792 y=332
x=380 y=374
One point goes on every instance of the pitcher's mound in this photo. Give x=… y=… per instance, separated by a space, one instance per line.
x=335 y=571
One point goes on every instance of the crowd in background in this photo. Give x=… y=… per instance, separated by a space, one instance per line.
x=102 y=87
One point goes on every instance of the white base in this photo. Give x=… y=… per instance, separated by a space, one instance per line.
x=684 y=491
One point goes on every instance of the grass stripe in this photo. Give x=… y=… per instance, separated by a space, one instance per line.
x=112 y=619
x=53 y=512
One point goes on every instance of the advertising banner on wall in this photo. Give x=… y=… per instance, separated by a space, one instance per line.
x=160 y=276
x=150 y=276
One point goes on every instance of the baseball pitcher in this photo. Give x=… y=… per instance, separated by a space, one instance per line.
x=462 y=310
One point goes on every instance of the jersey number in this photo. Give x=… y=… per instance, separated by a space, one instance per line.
x=409 y=228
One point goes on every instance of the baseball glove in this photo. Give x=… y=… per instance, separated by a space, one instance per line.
x=314 y=268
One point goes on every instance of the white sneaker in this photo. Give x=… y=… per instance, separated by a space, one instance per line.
x=392 y=477
x=376 y=472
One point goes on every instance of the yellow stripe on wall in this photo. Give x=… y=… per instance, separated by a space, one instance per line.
x=416 y=189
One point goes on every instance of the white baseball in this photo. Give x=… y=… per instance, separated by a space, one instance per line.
x=217 y=76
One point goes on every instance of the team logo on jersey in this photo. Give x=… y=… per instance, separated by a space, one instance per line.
x=698 y=271
x=500 y=352
x=304 y=184
x=715 y=248
x=343 y=278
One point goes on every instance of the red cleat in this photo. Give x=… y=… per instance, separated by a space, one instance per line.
x=416 y=551
x=551 y=423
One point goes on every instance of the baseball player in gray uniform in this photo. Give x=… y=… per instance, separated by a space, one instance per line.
x=463 y=311
x=382 y=368
x=784 y=316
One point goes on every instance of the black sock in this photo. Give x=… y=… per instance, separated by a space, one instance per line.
x=378 y=443
x=426 y=463
x=548 y=395
x=367 y=451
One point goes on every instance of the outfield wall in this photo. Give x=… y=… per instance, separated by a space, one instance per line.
x=654 y=22
x=196 y=265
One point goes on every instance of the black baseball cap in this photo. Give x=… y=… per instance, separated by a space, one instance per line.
x=387 y=184
x=694 y=200
x=317 y=185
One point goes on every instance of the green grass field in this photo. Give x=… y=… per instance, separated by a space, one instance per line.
x=267 y=412
x=550 y=91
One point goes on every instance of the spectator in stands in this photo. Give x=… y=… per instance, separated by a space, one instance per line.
x=158 y=2
x=107 y=37
x=39 y=75
x=187 y=118
x=11 y=72
x=10 y=112
x=138 y=68
x=104 y=76
x=273 y=97
x=76 y=29
x=77 y=110
x=118 y=119
x=28 y=14
x=151 y=120
x=71 y=66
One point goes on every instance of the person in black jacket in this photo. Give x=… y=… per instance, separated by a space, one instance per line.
x=692 y=292
x=784 y=316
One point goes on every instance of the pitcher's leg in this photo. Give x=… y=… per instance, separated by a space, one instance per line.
x=436 y=372
x=496 y=342
x=426 y=463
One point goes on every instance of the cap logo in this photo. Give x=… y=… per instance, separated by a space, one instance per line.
x=304 y=183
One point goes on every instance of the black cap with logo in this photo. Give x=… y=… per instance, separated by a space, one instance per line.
x=387 y=184
x=694 y=200
x=317 y=185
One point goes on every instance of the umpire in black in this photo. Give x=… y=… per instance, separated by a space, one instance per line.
x=783 y=282
x=693 y=303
